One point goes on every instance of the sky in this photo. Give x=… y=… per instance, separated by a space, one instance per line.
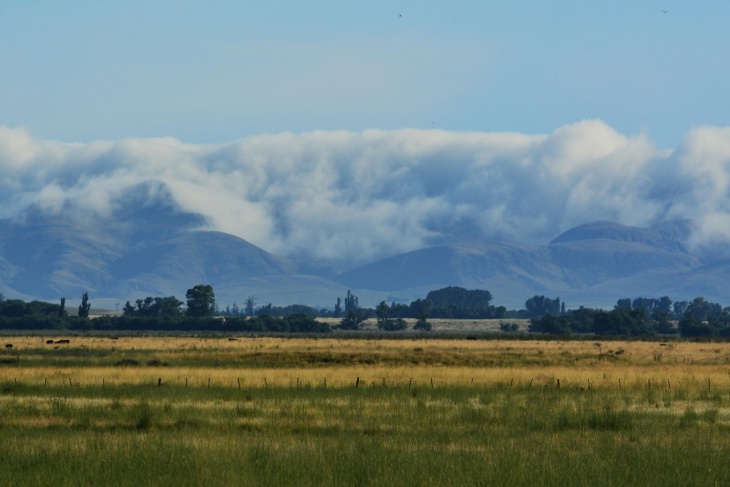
x=216 y=71
x=349 y=131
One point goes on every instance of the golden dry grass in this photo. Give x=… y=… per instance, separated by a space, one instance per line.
x=627 y=352
x=412 y=362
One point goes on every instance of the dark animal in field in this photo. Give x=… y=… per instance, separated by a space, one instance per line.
x=8 y=345
x=62 y=341
x=49 y=342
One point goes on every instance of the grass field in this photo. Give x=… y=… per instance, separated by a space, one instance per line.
x=336 y=411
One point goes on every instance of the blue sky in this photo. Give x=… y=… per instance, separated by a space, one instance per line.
x=355 y=130
x=217 y=71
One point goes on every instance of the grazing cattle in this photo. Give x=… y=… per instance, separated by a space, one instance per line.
x=49 y=342
x=62 y=341
x=8 y=345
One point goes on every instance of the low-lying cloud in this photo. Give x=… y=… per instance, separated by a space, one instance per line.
x=358 y=196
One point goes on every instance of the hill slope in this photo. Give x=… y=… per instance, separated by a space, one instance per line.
x=149 y=247
x=592 y=264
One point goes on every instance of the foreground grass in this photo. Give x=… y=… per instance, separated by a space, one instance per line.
x=374 y=435
x=651 y=415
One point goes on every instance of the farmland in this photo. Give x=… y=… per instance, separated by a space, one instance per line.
x=334 y=410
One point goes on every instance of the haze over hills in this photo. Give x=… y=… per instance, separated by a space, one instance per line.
x=300 y=218
x=148 y=246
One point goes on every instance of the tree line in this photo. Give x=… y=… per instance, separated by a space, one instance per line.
x=632 y=318
x=641 y=317
x=151 y=313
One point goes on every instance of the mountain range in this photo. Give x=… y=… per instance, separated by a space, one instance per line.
x=153 y=248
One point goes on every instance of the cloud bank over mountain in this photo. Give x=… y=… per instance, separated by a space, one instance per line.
x=358 y=196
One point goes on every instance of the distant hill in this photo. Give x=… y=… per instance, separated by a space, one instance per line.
x=592 y=264
x=504 y=269
x=620 y=233
x=147 y=246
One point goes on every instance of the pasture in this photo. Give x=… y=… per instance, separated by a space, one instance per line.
x=205 y=410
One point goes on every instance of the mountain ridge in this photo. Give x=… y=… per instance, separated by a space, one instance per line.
x=149 y=247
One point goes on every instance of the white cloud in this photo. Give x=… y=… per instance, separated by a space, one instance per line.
x=362 y=195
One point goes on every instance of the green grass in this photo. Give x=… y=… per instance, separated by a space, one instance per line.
x=558 y=414
x=495 y=435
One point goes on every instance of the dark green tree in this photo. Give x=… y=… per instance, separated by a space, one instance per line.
x=266 y=310
x=421 y=310
x=294 y=309
x=702 y=310
x=169 y=306
x=250 y=306
x=690 y=326
x=352 y=320
x=351 y=302
x=558 y=325
x=201 y=300
x=338 y=308
x=622 y=322
x=385 y=321
x=646 y=304
x=149 y=306
x=663 y=306
x=62 y=311
x=678 y=307
x=538 y=306
x=14 y=308
x=354 y=315
x=144 y=306
x=128 y=309
x=85 y=306
x=457 y=302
